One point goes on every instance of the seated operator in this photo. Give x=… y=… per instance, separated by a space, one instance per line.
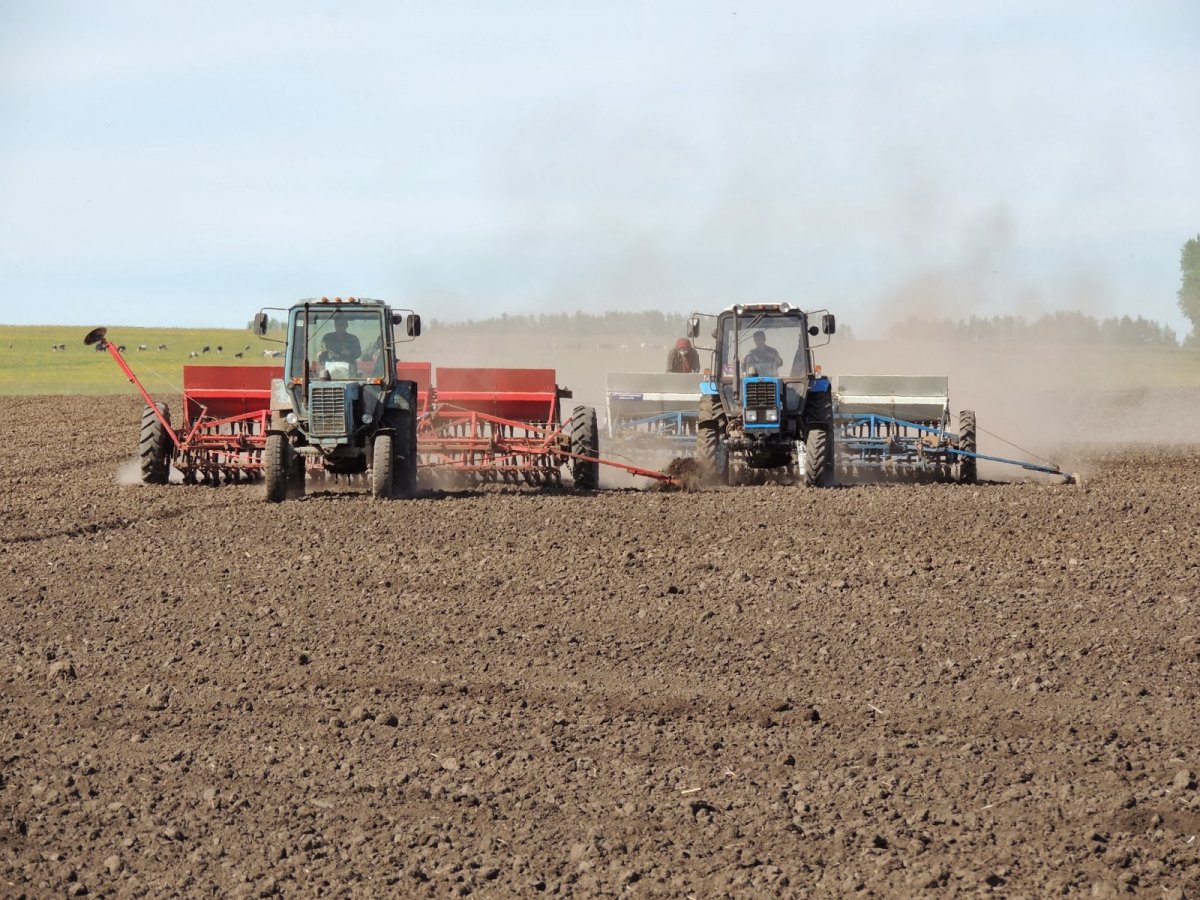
x=339 y=345
x=762 y=358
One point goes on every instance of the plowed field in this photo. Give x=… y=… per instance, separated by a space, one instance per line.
x=891 y=690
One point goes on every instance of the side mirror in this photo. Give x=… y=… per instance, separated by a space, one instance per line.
x=694 y=327
x=814 y=330
x=828 y=323
x=260 y=324
x=413 y=325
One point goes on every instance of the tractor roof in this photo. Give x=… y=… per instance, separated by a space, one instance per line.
x=783 y=308
x=338 y=301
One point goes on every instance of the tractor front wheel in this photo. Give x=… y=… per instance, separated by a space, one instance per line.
x=585 y=442
x=154 y=446
x=382 y=467
x=968 y=442
x=275 y=467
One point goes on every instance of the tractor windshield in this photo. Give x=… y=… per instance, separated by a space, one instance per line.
x=343 y=344
x=772 y=346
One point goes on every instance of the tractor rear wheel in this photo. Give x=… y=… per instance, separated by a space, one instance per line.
x=383 y=461
x=297 y=471
x=710 y=446
x=154 y=446
x=405 y=476
x=968 y=441
x=584 y=431
x=275 y=467
x=818 y=443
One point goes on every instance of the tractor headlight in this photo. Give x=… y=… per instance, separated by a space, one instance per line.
x=292 y=418
x=367 y=418
x=785 y=308
x=752 y=415
x=772 y=415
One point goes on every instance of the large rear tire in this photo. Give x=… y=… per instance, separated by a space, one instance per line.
x=968 y=441
x=818 y=457
x=383 y=460
x=275 y=467
x=819 y=464
x=154 y=446
x=297 y=472
x=710 y=444
x=405 y=476
x=585 y=441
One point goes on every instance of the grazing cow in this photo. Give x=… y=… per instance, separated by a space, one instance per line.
x=237 y=355
x=162 y=346
x=193 y=355
x=142 y=347
x=205 y=349
x=220 y=349
x=120 y=348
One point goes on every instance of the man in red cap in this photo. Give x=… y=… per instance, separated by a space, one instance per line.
x=683 y=357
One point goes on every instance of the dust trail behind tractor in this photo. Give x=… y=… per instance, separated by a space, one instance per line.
x=897 y=427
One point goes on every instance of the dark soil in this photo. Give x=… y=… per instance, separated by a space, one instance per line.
x=888 y=690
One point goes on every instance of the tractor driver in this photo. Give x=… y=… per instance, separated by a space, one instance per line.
x=764 y=359
x=339 y=345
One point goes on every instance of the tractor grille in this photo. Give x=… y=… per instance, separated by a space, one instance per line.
x=327 y=410
x=760 y=394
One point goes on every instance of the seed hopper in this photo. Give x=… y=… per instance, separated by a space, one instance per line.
x=652 y=415
x=899 y=426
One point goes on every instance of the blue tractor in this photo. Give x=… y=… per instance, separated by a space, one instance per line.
x=766 y=411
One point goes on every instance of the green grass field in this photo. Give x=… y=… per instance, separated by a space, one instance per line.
x=28 y=365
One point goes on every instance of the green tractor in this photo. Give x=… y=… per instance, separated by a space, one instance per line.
x=340 y=407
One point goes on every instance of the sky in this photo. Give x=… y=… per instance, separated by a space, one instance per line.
x=185 y=164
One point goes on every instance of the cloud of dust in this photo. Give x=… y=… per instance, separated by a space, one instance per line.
x=129 y=474
x=1031 y=399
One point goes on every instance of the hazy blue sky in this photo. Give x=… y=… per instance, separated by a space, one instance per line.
x=184 y=163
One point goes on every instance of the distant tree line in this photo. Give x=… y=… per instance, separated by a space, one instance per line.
x=1064 y=327
x=652 y=323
